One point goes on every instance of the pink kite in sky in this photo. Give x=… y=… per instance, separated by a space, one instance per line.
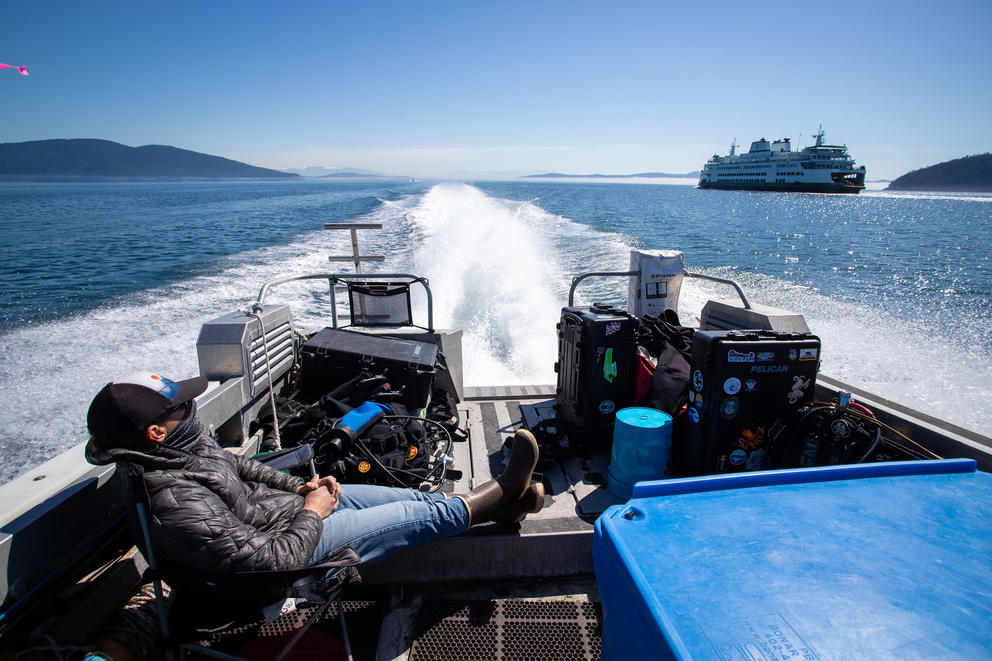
x=22 y=70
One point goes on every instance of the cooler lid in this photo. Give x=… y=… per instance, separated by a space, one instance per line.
x=871 y=561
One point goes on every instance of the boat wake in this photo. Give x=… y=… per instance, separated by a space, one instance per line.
x=500 y=270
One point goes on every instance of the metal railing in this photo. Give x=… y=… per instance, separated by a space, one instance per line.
x=334 y=279
x=628 y=274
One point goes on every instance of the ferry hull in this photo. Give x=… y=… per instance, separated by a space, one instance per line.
x=796 y=187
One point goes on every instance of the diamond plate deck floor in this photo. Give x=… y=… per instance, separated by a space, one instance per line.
x=506 y=630
x=323 y=641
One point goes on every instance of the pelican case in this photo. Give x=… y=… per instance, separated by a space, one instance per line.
x=597 y=360
x=333 y=356
x=740 y=383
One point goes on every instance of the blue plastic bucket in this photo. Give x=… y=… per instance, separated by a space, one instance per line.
x=642 y=448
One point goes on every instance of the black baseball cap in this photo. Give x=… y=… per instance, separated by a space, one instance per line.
x=125 y=408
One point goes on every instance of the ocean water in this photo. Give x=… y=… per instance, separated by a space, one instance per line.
x=99 y=280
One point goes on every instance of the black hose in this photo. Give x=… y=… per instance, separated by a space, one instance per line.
x=429 y=477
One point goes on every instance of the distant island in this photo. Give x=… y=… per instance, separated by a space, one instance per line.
x=93 y=159
x=645 y=175
x=358 y=174
x=971 y=174
x=318 y=172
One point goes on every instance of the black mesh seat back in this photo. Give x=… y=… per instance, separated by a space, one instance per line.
x=380 y=304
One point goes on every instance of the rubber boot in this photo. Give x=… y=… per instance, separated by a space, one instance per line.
x=532 y=501
x=511 y=496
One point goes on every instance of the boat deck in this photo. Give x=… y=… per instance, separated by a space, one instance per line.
x=506 y=591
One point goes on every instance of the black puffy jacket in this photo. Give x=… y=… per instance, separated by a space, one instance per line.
x=212 y=510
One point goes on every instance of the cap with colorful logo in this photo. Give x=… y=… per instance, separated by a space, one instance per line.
x=126 y=407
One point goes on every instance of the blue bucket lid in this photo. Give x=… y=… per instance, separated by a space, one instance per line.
x=638 y=416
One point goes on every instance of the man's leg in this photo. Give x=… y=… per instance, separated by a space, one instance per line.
x=377 y=521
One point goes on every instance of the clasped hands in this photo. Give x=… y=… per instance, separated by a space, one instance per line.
x=320 y=495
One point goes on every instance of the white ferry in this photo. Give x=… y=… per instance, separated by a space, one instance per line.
x=773 y=166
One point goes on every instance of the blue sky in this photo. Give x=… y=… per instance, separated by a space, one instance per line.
x=430 y=88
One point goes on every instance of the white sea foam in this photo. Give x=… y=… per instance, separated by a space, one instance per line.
x=500 y=270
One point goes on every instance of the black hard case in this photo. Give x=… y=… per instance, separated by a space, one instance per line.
x=332 y=356
x=597 y=352
x=741 y=382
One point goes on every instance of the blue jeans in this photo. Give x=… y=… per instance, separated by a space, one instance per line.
x=377 y=521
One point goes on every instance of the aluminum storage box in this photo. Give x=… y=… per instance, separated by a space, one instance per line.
x=871 y=561
x=333 y=356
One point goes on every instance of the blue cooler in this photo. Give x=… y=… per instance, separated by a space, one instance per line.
x=872 y=561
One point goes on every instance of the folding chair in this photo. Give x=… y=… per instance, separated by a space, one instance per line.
x=238 y=597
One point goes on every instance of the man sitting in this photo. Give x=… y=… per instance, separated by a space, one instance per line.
x=212 y=510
